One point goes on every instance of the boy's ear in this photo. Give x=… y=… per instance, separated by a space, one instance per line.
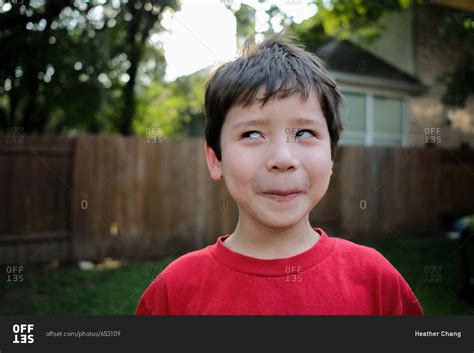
x=213 y=164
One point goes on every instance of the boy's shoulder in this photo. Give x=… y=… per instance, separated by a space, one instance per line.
x=364 y=257
x=398 y=296
x=185 y=265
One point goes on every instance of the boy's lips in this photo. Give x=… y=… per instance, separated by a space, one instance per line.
x=282 y=192
x=282 y=195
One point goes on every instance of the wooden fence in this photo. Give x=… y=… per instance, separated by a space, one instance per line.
x=88 y=197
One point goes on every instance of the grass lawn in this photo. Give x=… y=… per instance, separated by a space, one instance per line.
x=432 y=267
x=428 y=265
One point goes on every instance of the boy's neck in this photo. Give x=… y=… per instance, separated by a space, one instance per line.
x=254 y=240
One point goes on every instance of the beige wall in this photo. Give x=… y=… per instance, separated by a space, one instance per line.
x=411 y=43
x=434 y=58
x=395 y=45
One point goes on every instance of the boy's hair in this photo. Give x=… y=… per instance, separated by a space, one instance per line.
x=279 y=67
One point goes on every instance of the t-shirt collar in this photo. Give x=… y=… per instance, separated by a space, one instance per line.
x=273 y=267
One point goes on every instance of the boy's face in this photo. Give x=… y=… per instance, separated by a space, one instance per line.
x=266 y=151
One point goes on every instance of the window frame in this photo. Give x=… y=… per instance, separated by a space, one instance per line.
x=369 y=94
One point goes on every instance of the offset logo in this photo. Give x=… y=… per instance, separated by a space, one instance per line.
x=15 y=274
x=23 y=333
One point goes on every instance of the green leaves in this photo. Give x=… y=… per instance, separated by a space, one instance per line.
x=176 y=108
x=71 y=65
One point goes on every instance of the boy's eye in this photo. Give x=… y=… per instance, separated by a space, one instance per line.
x=249 y=133
x=299 y=133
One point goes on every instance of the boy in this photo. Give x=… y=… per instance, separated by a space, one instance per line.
x=272 y=128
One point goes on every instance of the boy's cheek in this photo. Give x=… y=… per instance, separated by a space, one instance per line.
x=318 y=164
x=242 y=165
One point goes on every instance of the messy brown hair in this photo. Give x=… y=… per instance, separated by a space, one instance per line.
x=280 y=68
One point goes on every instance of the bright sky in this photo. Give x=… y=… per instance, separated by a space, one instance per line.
x=204 y=32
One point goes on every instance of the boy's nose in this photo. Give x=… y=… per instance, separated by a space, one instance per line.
x=282 y=155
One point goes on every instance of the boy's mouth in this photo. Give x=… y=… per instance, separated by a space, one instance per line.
x=282 y=192
x=282 y=195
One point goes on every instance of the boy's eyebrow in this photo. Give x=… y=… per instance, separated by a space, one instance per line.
x=264 y=122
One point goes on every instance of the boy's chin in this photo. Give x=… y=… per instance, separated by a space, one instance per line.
x=280 y=224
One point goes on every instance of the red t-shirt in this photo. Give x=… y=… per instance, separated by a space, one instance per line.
x=333 y=277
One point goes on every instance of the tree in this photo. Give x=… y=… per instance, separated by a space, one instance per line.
x=88 y=58
x=144 y=16
x=359 y=18
x=172 y=108
x=245 y=17
x=460 y=82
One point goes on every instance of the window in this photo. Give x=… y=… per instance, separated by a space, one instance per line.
x=354 y=116
x=373 y=120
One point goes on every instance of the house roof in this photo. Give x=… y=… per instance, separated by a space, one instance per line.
x=465 y=5
x=352 y=64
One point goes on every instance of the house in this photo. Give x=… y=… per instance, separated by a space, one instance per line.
x=391 y=87
x=376 y=94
